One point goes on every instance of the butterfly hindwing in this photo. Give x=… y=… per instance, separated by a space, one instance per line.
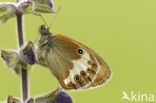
x=73 y=64
x=103 y=72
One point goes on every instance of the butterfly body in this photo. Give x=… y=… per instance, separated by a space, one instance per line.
x=73 y=64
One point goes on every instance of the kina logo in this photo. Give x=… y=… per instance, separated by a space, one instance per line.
x=137 y=96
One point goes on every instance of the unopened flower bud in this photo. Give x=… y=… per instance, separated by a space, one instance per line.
x=27 y=53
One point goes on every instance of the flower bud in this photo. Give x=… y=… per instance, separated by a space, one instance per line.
x=56 y=96
x=27 y=53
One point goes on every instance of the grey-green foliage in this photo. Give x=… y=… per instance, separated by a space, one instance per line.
x=9 y=10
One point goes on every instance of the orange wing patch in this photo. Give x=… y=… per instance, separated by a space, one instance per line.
x=103 y=73
x=101 y=78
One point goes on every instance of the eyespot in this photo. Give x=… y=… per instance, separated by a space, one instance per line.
x=83 y=74
x=95 y=65
x=88 y=70
x=80 y=51
x=77 y=78
x=89 y=62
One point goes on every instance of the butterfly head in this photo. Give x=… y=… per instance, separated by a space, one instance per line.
x=44 y=31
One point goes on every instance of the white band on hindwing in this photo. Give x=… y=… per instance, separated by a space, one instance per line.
x=78 y=66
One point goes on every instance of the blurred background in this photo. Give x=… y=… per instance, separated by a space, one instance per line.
x=122 y=32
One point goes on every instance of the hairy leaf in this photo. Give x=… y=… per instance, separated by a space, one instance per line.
x=13 y=100
x=56 y=96
x=43 y=9
x=7 y=10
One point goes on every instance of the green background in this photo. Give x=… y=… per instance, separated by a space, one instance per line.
x=123 y=32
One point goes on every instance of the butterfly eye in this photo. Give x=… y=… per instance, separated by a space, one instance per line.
x=44 y=30
x=88 y=70
x=83 y=74
x=77 y=78
x=80 y=51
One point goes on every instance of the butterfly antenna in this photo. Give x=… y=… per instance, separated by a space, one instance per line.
x=41 y=18
x=55 y=17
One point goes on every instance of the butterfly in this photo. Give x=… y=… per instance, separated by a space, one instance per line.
x=73 y=64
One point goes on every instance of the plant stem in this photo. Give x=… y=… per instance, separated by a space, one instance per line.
x=24 y=73
x=20 y=30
